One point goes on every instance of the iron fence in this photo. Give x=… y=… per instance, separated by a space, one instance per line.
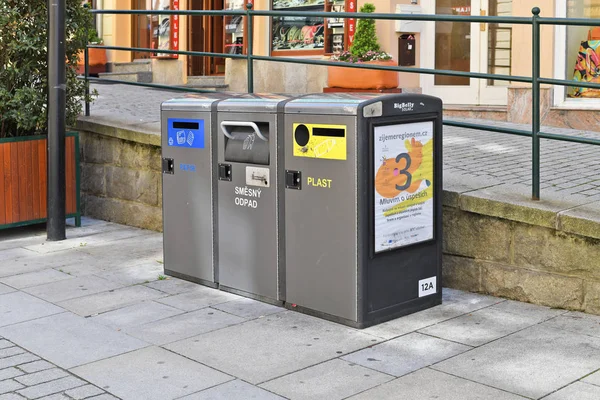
x=536 y=80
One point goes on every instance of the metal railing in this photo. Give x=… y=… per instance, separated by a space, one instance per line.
x=535 y=21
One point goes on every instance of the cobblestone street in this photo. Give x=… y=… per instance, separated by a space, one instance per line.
x=24 y=375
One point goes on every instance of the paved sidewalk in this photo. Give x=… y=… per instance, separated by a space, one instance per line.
x=95 y=315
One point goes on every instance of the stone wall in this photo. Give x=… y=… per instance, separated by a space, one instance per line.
x=504 y=244
x=121 y=180
x=549 y=256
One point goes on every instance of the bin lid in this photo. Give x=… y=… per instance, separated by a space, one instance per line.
x=256 y=102
x=194 y=101
x=329 y=103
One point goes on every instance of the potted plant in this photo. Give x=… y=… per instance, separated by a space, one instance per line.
x=97 y=56
x=23 y=108
x=365 y=49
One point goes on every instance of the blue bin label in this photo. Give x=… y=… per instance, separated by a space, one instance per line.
x=186 y=133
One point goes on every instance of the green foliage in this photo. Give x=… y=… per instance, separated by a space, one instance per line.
x=365 y=38
x=24 y=67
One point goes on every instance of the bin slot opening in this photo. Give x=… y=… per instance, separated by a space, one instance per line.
x=248 y=144
x=332 y=132
x=185 y=125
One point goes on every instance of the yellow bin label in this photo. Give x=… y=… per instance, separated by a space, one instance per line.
x=320 y=141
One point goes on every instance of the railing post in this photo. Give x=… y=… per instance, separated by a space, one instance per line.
x=249 y=48
x=86 y=61
x=86 y=70
x=535 y=112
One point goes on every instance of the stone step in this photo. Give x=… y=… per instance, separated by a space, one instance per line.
x=142 y=77
x=135 y=66
x=206 y=81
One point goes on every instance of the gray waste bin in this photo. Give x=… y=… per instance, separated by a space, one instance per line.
x=363 y=222
x=189 y=187
x=249 y=210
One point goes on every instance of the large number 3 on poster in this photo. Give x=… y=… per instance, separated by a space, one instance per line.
x=396 y=175
x=403 y=171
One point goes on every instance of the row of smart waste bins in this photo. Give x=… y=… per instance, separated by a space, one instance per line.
x=329 y=204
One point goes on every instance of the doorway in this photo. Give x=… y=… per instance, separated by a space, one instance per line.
x=206 y=34
x=468 y=47
x=141 y=25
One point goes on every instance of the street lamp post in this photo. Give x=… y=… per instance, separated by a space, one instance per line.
x=56 y=227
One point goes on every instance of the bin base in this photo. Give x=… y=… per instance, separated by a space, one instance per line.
x=377 y=317
x=191 y=279
x=253 y=296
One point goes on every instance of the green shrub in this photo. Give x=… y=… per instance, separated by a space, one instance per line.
x=24 y=67
x=365 y=46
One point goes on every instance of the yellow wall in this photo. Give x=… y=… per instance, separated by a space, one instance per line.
x=117 y=30
x=522 y=40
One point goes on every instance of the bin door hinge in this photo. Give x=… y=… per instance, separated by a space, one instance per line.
x=293 y=180
x=168 y=166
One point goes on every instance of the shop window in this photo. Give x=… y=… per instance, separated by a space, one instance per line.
x=298 y=34
x=234 y=28
x=583 y=48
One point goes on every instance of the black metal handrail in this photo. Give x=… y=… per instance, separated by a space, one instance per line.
x=535 y=79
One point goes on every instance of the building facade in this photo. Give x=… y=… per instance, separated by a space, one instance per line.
x=567 y=53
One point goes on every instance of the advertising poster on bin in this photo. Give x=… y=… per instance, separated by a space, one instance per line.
x=403 y=207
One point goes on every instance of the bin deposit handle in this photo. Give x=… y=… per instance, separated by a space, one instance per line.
x=225 y=124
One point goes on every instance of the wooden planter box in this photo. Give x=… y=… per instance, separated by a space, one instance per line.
x=354 y=78
x=24 y=180
x=97 y=60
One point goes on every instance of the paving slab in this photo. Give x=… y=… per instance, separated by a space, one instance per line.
x=141 y=272
x=72 y=288
x=427 y=384
x=10 y=385
x=68 y=340
x=19 y=359
x=49 y=388
x=92 y=239
x=479 y=327
x=136 y=315
x=233 y=390
x=332 y=380
x=172 y=285
x=6 y=289
x=18 y=307
x=11 y=372
x=131 y=248
x=406 y=354
x=35 y=278
x=150 y=373
x=111 y=300
x=183 y=326
x=248 y=308
x=39 y=262
x=576 y=391
x=11 y=254
x=19 y=237
x=270 y=347
x=577 y=322
x=83 y=392
x=199 y=298
x=532 y=363
x=593 y=379
x=41 y=377
x=532 y=311
x=454 y=304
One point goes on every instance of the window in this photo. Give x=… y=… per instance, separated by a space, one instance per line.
x=298 y=34
x=583 y=49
